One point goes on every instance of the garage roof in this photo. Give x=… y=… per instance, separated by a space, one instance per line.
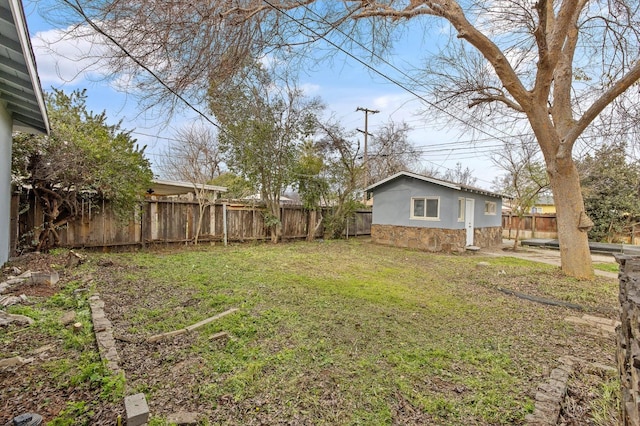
x=435 y=181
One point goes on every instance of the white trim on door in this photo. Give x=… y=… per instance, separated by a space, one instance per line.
x=469 y=204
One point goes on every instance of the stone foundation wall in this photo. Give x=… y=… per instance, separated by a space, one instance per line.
x=488 y=237
x=629 y=338
x=433 y=239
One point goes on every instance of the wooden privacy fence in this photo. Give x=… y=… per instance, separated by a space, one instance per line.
x=531 y=226
x=175 y=221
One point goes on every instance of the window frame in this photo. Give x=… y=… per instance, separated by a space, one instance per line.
x=426 y=199
x=462 y=206
x=490 y=208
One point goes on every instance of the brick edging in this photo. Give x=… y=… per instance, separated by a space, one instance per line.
x=104 y=334
x=550 y=395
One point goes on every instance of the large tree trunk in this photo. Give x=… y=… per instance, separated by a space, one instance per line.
x=314 y=224
x=572 y=226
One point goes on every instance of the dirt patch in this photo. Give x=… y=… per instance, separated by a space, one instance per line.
x=35 y=387
x=34 y=262
x=583 y=406
x=42 y=262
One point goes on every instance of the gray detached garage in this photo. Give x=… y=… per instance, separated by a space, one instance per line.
x=415 y=211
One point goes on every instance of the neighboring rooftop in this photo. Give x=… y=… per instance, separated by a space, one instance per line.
x=545 y=200
x=170 y=187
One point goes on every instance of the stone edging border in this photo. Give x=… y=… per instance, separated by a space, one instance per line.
x=104 y=334
x=136 y=408
x=550 y=395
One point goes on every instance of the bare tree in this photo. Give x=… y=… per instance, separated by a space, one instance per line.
x=194 y=158
x=524 y=179
x=554 y=65
x=391 y=151
x=463 y=176
x=459 y=175
x=194 y=155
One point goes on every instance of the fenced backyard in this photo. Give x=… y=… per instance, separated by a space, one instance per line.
x=174 y=221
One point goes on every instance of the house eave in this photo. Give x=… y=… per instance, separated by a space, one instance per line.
x=20 y=89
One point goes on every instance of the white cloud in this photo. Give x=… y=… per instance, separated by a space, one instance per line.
x=310 y=89
x=68 y=57
x=387 y=101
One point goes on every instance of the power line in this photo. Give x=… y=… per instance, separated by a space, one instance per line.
x=80 y=11
x=78 y=8
x=135 y=132
x=380 y=58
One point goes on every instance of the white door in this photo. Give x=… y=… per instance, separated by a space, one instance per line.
x=468 y=219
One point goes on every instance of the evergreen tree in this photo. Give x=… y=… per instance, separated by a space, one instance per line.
x=611 y=185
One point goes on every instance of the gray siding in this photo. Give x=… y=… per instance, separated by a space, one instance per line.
x=482 y=220
x=392 y=205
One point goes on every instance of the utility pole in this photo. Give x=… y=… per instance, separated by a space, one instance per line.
x=366 y=111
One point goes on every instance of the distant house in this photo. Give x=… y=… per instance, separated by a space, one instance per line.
x=22 y=106
x=171 y=188
x=544 y=205
x=415 y=211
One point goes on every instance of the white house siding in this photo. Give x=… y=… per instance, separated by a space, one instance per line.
x=5 y=182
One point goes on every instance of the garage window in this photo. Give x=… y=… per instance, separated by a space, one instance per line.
x=490 y=208
x=425 y=208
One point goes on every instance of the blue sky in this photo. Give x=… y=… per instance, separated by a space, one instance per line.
x=343 y=84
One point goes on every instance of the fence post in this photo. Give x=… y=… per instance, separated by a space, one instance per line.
x=347 y=228
x=153 y=218
x=224 y=222
x=141 y=217
x=189 y=225
x=533 y=224
x=212 y=219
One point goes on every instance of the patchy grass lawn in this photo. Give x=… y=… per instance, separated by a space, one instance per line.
x=343 y=332
x=609 y=267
